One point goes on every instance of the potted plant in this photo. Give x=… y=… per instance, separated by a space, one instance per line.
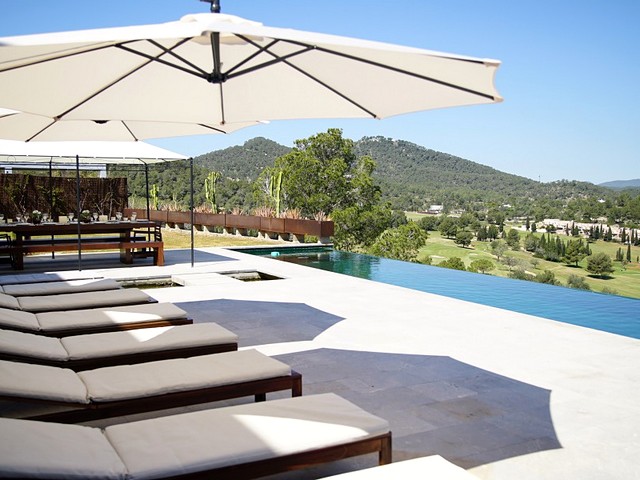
x=36 y=217
x=85 y=216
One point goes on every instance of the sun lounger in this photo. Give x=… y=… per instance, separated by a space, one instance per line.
x=108 y=319
x=13 y=278
x=75 y=301
x=242 y=441
x=433 y=466
x=83 y=352
x=125 y=389
x=55 y=288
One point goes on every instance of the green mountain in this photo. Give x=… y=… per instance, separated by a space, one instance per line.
x=243 y=162
x=620 y=184
x=411 y=176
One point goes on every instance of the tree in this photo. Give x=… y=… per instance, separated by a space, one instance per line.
x=510 y=261
x=575 y=281
x=547 y=277
x=533 y=227
x=600 y=265
x=498 y=248
x=531 y=243
x=448 y=227
x=629 y=253
x=429 y=223
x=513 y=239
x=463 y=237
x=400 y=243
x=492 y=232
x=323 y=174
x=481 y=265
x=357 y=228
x=454 y=263
x=574 y=252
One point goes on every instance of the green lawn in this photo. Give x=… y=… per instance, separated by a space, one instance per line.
x=174 y=239
x=622 y=282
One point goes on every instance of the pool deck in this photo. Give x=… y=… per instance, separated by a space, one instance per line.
x=501 y=394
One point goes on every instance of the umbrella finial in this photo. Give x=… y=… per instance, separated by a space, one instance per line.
x=215 y=5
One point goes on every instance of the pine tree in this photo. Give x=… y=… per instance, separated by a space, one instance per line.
x=623 y=236
x=629 y=253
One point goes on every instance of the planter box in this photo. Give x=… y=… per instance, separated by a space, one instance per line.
x=273 y=225
x=210 y=219
x=179 y=217
x=243 y=221
x=309 y=227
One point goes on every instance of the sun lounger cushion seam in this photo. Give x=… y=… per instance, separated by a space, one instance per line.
x=42 y=382
x=177 y=375
x=8 y=301
x=31 y=345
x=45 y=450
x=19 y=319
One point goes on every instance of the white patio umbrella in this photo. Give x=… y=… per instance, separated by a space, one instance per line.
x=214 y=70
x=88 y=153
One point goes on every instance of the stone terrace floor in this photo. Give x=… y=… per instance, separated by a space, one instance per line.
x=501 y=394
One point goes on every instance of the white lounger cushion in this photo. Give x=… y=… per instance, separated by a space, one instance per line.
x=433 y=466
x=136 y=381
x=8 y=301
x=52 y=450
x=99 y=345
x=184 y=443
x=33 y=346
x=74 y=301
x=146 y=340
x=18 y=319
x=54 y=288
x=121 y=315
x=195 y=441
x=41 y=382
x=21 y=278
x=178 y=375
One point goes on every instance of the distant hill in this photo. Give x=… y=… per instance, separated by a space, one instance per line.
x=620 y=184
x=411 y=176
x=243 y=162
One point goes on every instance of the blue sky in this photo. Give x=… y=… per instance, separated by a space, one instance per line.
x=570 y=73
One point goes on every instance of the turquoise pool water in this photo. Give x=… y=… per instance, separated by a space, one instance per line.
x=610 y=313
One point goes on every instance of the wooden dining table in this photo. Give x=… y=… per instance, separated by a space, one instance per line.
x=109 y=235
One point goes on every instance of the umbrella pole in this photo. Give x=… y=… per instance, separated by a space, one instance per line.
x=78 y=210
x=146 y=182
x=53 y=254
x=191 y=205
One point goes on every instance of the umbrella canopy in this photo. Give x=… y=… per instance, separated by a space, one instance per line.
x=215 y=71
x=88 y=152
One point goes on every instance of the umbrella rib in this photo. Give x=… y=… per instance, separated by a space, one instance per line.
x=199 y=73
x=124 y=123
x=285 y=59
x=105 y=88
x=40 y=131
x=412 y=74
x=308 y=47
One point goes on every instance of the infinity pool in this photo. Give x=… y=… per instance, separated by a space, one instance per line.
x=610 y=313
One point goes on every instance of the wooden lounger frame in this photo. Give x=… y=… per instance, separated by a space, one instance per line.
x=124 y=359
x=380 y=444
x=93 y=411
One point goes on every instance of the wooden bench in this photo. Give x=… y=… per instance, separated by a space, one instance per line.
x=129 y=248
